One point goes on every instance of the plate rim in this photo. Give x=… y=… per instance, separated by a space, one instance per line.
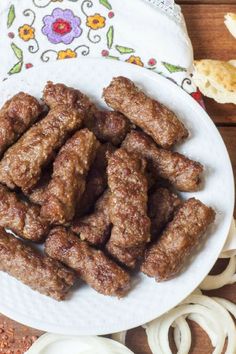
x=57 y=329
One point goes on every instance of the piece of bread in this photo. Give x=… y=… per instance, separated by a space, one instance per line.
x=230 y=23
x=216 y=79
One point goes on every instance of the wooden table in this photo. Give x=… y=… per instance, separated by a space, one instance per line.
x=210 y=39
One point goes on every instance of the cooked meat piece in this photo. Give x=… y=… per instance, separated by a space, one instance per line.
x=38 y=195
x=109 y=126
x=161 y=207
x=57 y=94
x=16 y=116
x=69 y=175
x=166 y=257
x=95 y=227
x=151 y=116
x=22 y=164
x=39 y=272
x=96 y=183
x=92 y=265
x=128 y=201
x=125 y=256
x=180 y=171
x=21 y=217
x=96 y=180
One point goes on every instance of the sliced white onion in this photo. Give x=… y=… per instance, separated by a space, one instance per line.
x=182 y=335
x=177 y=335
x=217 y=281
x=224 y=318
x=230 y=306
x=211 y=314
x=54 y=344
x=119 y=337
x=206 y=325
x=233 y=279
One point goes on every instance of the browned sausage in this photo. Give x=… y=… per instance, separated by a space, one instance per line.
x=69 y=175
x=166 y=257
x=128 y=201
x=16 y=116
x=22 y=164
x=95 y=227
x=39 y=272
x=96 y=182
x=151 y=116
x=21 y=217
x=107 y=126
x=91 y=265
x=162 y=205
x=180 y=171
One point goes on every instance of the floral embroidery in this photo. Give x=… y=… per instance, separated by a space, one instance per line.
x=19 y=55
x=88 y=24
x=96 y=21
x=66 y=54
x=11 y=35
x=111 y=14
x=135 y=60
x=105 y=53
x=26 y=33
x=152 y=62
x=62 y=26
x=11 y=16
x=28 y=65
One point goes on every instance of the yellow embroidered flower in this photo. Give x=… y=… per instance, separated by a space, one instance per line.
x=135 y=60
x=26 y=32
x=66 y=54
x=96 y=21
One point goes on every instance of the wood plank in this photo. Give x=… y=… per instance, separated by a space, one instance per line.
x=210 y=37
x=211 y=40
x=221 y=113
x=194 y=2
x=229 y=136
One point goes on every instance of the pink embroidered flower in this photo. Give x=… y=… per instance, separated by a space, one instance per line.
x=62 y=26
x=152 y=62
x=28 y=65
x=111 y=14
x=105 y=53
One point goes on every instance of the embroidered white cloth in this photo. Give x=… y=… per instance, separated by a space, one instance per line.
x=149 y=33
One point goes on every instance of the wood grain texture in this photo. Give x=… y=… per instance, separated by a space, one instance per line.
x=209 y=2
x=221 y=113
x=210 y=39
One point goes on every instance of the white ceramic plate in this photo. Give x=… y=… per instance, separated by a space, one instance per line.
x=87 y=312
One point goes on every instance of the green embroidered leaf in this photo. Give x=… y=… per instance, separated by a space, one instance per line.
x=106 y=4
x=17 y=51
x=124 y=50
x=110 y=37
x=173 y=68
x=11 y=16
x=16 y=68
x=112 y=57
